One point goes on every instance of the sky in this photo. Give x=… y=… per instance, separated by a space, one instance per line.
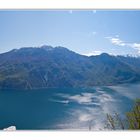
x=88 y=32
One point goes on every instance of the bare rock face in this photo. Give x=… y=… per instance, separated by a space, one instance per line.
x=11 y=128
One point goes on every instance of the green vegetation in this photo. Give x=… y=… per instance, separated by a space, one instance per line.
x=114 y=122
x=134 y=116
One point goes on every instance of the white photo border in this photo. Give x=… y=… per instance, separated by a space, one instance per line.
x=70 y=5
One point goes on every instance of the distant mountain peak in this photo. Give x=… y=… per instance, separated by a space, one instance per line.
x=62 y=48
x=47 y=47
x=104 y=54
x=47 y=66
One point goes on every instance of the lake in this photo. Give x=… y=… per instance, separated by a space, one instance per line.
x=65 y=108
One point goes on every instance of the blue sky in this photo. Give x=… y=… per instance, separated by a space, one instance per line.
x=87 y=32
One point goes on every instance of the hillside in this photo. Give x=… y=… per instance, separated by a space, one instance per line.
x=31 y=68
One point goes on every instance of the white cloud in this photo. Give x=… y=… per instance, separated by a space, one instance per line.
x=93 y=53
x=137 y=46
x=118 y=42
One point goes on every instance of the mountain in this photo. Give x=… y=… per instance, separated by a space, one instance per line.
x=46 y=66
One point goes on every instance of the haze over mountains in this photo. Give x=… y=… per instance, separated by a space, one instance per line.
x=31 y=68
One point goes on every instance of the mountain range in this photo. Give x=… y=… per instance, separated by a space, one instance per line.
x=47 y=66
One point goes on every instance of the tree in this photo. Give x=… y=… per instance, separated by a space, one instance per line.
x=114 y=122
x=132 y=122
x=133 y=116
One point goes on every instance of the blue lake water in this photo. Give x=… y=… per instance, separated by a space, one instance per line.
x=64 y=108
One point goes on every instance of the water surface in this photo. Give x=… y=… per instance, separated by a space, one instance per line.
x=64 y=108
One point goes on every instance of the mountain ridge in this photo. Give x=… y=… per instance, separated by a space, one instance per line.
x=47 y=66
